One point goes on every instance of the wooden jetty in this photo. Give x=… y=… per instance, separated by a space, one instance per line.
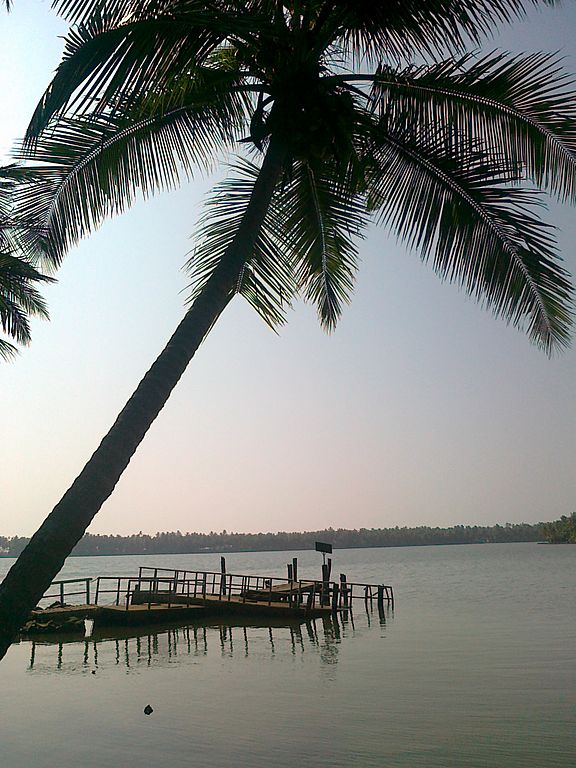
x=162 y=595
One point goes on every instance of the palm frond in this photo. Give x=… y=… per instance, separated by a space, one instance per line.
x=458 y=206
x=19 y=234
x=111 y=56
x=267 y=281
x=307 y=244
x=325 y=215
x=7 y=351
x=95 y=166
x=524 y=106
x=76 y=10
x=19 y=300
x=398 y=30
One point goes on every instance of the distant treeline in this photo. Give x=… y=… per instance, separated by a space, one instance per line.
x=561 y=531
x=341 y=538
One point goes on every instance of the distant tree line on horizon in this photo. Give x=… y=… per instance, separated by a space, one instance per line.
x=561 y=531
x=164 y=543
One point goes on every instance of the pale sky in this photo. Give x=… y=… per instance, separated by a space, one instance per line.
x=421 y=409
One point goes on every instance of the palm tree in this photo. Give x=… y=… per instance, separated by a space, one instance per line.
x=20 y=256
x=338 y=127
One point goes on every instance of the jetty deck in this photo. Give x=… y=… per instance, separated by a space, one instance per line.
x=160 y=595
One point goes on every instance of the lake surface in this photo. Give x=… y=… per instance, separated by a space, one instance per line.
x=475 y=668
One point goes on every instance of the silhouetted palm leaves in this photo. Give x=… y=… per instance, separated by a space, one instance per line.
x=20 y=254
x=448 y=154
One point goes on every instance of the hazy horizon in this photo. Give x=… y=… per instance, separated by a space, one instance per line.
x=299 y=531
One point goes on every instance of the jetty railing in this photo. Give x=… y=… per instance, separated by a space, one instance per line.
x=62 y=589
x=267 y=589
x=164 y=586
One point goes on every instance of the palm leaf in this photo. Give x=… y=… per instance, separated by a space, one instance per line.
x=19 y=234
x=525 y=106
x=267 y=281
x=457 y=205
x=400 y=30
x=325 y=214
x=306 y=245
x=110 y=57
x=19 y=300
x=95 y=166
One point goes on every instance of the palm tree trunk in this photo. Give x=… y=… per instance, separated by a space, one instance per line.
x=43 y=557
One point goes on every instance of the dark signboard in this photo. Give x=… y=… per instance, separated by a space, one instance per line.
x=320 y=547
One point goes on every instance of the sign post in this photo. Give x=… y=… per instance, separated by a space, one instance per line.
x=326 y=549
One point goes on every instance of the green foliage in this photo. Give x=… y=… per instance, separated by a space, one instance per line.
x=561 y=531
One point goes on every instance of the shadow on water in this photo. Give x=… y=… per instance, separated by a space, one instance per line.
x=154 y=646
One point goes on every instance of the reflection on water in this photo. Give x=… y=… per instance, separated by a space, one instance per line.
x=137 y=648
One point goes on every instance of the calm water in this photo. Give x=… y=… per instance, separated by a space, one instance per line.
x=476 y=668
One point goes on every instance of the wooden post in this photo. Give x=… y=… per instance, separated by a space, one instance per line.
x=310 y=600
x=290 y=568
x=335 y=598
x=88 y=591
x=380 y=597
x=223 y=577
x=344 y=589
x=176 y=574
x=325 y=583
x=295 y=568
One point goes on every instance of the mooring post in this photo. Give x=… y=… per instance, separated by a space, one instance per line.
x=325 y=599
x=176 y=574
x=290 y=568
x=380 y=596
x=311 y=599
x=223 y=577
x=295 y=568
x=335 y=594
x=344 y=589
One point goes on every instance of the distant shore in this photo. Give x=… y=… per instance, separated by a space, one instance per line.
x=174 y=543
